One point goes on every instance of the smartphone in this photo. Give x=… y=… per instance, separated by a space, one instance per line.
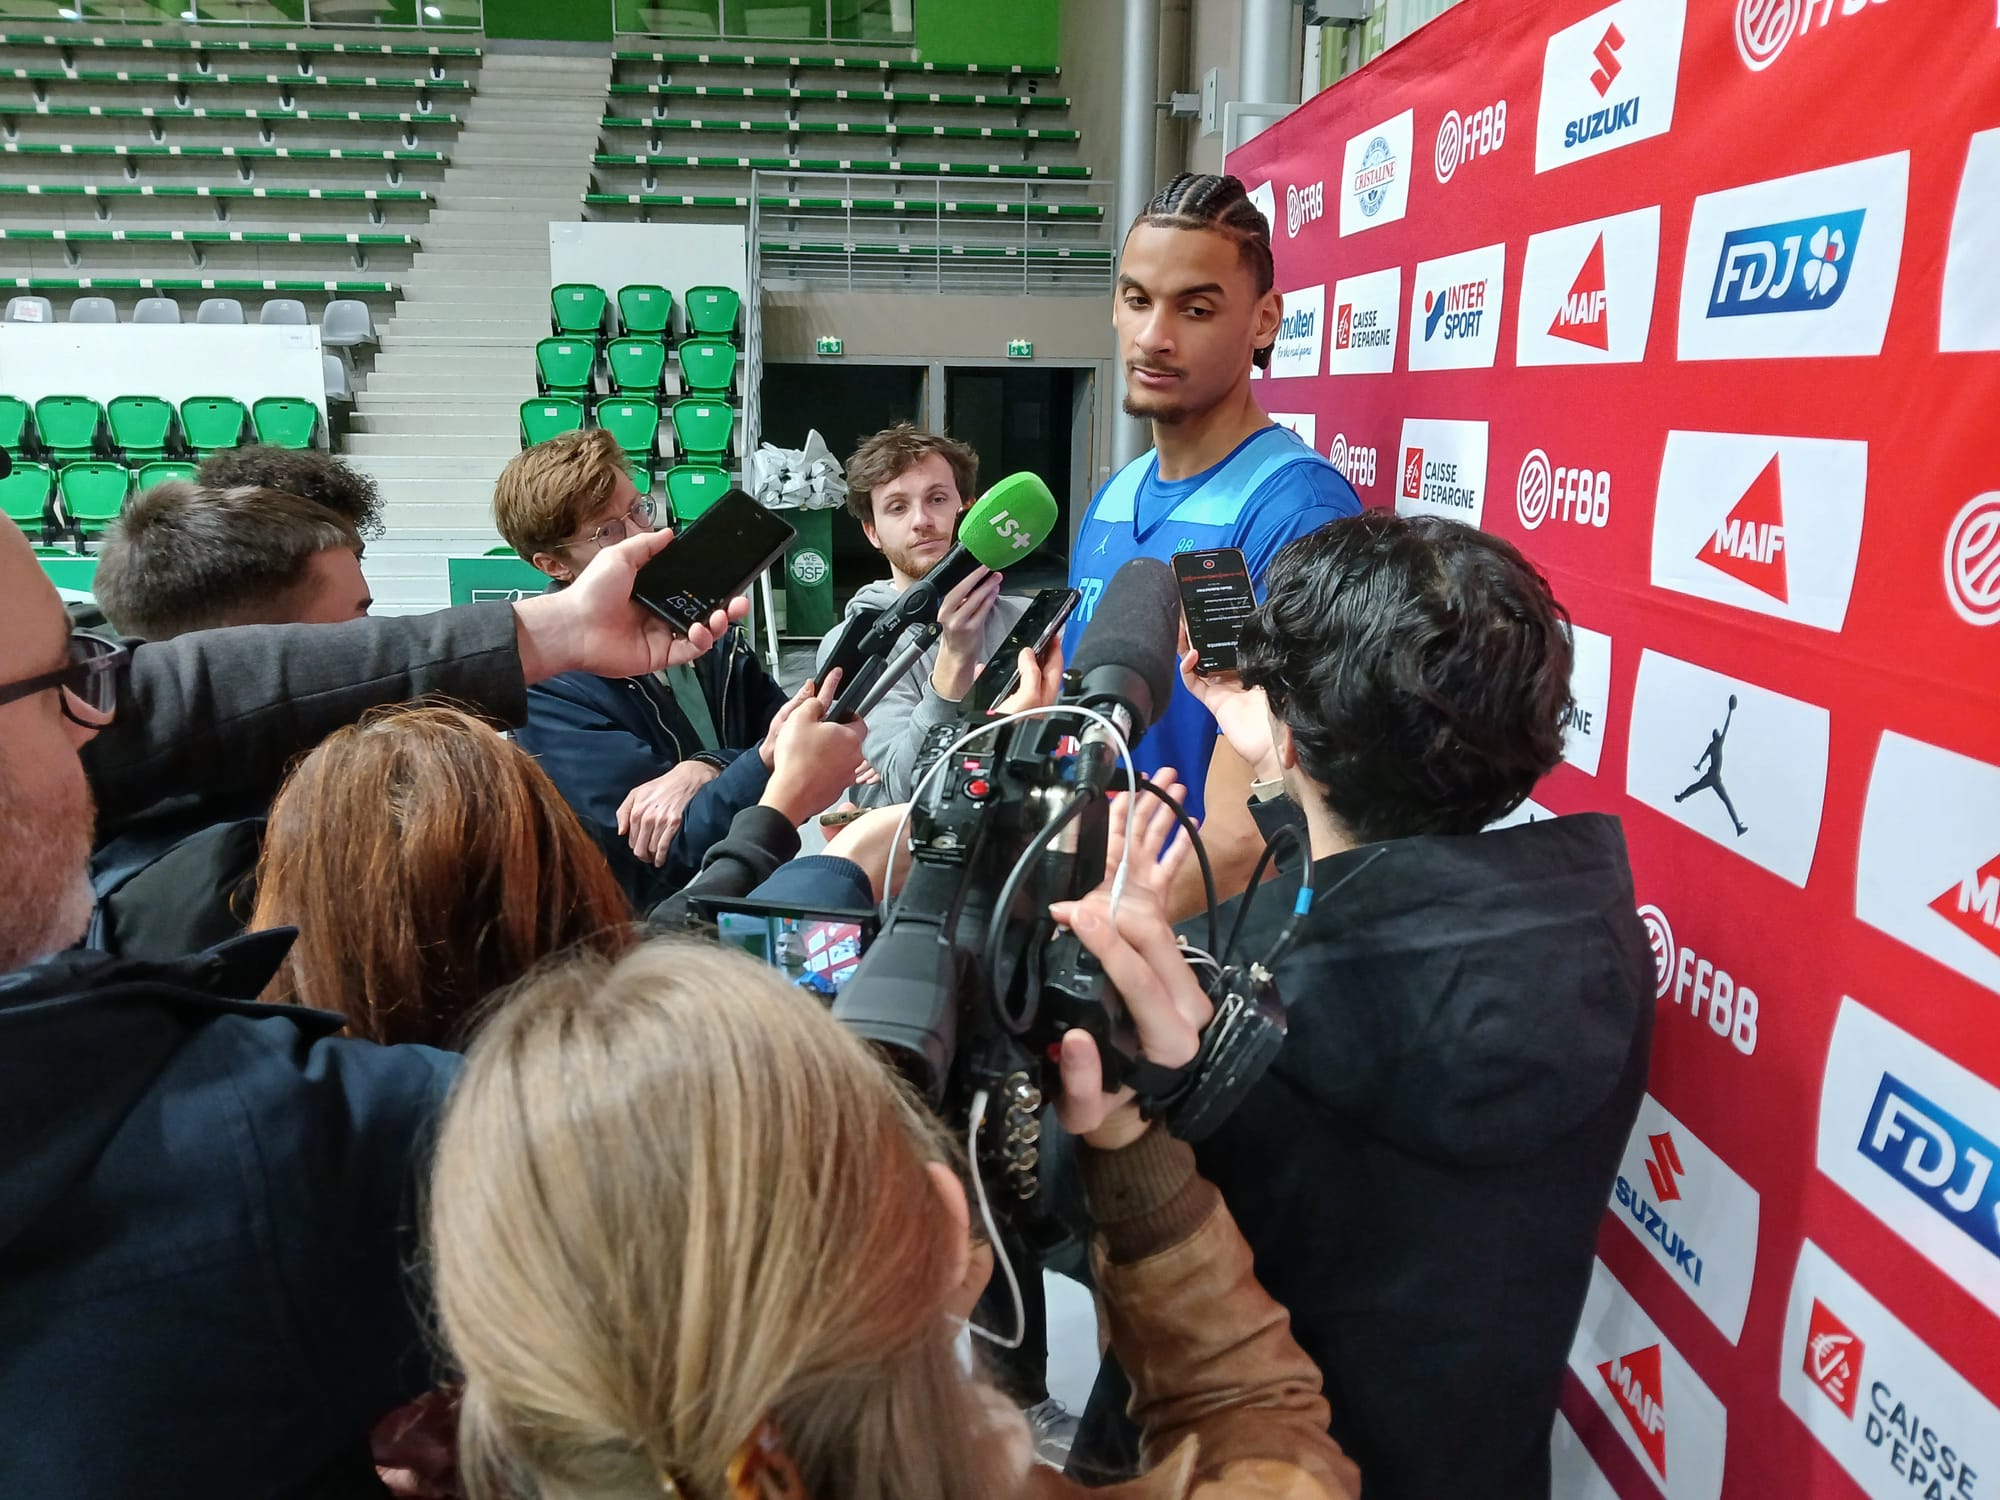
x=1216 y=598
x=814 y=950
x=716 y=558
x=1041 y=623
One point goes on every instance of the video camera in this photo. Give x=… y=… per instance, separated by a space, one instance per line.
x=969 y=987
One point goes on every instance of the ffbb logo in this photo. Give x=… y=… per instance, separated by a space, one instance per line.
x=1700 y=985
x=1545 y=491
x=1303 y=206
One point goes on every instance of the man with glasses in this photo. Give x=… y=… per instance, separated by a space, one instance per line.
x=206 y=1203
x=663 y=761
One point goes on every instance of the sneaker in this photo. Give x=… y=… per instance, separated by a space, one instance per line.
x=1054 y=1431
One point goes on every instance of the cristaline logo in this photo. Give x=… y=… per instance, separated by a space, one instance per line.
x=1635 y=1379
x=1375 y=176
x=1833 y=1357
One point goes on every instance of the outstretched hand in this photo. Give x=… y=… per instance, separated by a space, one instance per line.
x=1241 y=713
x=813 y=760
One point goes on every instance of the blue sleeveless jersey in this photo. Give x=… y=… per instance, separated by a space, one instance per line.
x=1271 y=489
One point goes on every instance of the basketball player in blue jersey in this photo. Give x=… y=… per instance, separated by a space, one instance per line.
x=1194 y=310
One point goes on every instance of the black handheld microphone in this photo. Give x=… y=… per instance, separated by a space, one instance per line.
x=1125 y=666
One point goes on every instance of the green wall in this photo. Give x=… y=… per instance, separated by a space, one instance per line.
x=550 y=20
x=982 y=31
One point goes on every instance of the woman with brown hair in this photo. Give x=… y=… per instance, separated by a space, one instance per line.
x=426 y=862
x=712 y=1251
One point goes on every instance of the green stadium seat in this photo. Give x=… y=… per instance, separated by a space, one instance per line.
x=693 y=488
x=550 y=416
x=636 y=426
x=16 y=424
x=24 y=496
x=211 y=423
x=141 y=427
x=68 y=426
x=636 y=365
x=285 y=421
x=577 y=309
x=708 y=366
x=645 y=311
x=564 y=365
x=93 y=493
x=701 y=431
x=160 y=471
x=498 y=575
x=711 y=311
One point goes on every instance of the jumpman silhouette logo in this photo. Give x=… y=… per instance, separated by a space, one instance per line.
x=1711 y=779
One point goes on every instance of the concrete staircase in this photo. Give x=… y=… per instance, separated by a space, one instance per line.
x=439 y=417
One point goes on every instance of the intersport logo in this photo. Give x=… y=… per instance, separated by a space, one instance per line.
x=1461 y=139
x=1704 y=987
x=1375 y=175
x=1590 y=698
x=1442 y=465
x=1692 y=1212
x=1365 y=312
x=1740 y=765
x=1928 y=871
x=1561 y=493
x=1896 y=1417
x=1587 y=292
x=1969 y=317
x=1651 y=1396
x=1767 y=524
x=1914 y=1138
x=1764 y=27
x=1354 y=460
x=1798 y=266
x=1303 y=206
x=1297 y=351
x=1455 y=310
x=1609 y=81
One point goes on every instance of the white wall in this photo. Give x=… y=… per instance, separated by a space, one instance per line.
x=172 y=361
x=675 y=256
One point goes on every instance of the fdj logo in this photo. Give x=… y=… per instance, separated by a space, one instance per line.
x=1303 y=206
x=1699 y=984
x=1938 y=1157
x=1603 y=122
x=1458 y=308
x=1797 y=266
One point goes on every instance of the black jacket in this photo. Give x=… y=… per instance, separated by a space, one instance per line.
x=1422 y=1173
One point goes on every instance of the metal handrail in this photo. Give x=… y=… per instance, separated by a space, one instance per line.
x=140 y=13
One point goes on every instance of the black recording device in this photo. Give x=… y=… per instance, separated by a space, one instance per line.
x=969 y=987
x=816 y=949
x=1039 y=624
x=716 y=558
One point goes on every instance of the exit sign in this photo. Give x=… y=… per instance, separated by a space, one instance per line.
x=1020 y=349
x=829 y=345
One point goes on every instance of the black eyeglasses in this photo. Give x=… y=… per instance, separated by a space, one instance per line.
x=89 y=680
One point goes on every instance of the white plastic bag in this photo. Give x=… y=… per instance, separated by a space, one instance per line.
x=807 y=478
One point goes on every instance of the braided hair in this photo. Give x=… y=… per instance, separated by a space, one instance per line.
x=1203 y=200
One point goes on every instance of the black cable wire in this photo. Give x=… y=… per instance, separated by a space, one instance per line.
x=1193 y=832
x=1284 y=832
x=996 y=922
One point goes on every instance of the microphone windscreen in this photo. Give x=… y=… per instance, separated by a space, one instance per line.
x=1135 y=626
x=1009 y=521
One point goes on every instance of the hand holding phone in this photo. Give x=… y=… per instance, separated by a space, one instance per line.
x=715 y=559
x=1216 y=598
x=1039 y=624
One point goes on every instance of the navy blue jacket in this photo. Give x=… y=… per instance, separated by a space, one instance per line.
x=598 y=737
x=206 y=1209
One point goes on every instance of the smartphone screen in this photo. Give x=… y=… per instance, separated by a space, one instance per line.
x=1042 y=622
x=1216 y=598
x=816 y=951
x=716 y=558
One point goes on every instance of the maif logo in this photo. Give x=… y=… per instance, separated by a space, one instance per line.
x=1763 y=27
x=1833 y=1357
x=1374 y=175
x=1265 y=201
x=1702 y=986
x=1914 y=1138
x=1928 y=871
x=1798 y=266
x=1365 y=309
x=1649 y=1395
x=1354 y=461
x=1576 y=496
x=1587 y=292
x=1303 y=206
x=1972 y=560
x=1303 y=423
x=1969 y=316
x=1443 y=465
x=1590 y=698
x=1903 y=1423
x=1609 y=81
x=1692 y=1212
x=1297 y=350
x=1740 y=765
x=1766 y=524
x=1461 y=140
x=1455 y=302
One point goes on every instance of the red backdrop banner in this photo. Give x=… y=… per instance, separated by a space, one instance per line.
x=1698 y=302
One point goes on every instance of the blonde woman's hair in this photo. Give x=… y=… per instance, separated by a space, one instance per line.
x=674 y=1196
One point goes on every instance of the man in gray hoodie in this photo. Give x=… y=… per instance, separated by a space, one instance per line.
x=908 y=489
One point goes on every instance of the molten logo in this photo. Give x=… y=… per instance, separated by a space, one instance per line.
x=1833 y=1357
x=1664 y=1167
x=1582 y=318
x=1749 y=545
x=1608 y=67
x=1973 y=905
x=1635 y=1380
x=1413 y=475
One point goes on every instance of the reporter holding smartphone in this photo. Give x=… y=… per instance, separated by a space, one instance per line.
x=702 y=1251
